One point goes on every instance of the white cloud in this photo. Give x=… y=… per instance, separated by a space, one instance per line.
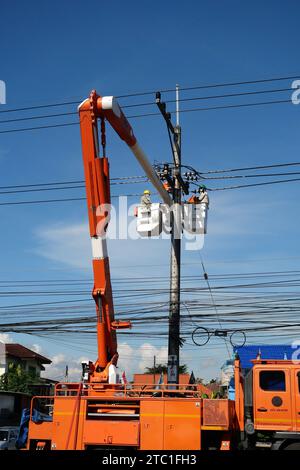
x=36 y=348
x=135 y=360
x=239 y=214
x=57 y=369
x=6 y=338
x=65 y=243
x=147 y=352
x=70 y=244
x=131 y=360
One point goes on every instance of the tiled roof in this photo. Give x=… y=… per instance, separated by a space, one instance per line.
x=19 y=351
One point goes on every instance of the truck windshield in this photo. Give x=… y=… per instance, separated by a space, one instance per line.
x=3 y=435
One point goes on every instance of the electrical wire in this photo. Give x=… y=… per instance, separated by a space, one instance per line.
x=166 y=90
x=261 y=167
x=151 y=103
x=211 y=108
x=213 y=302
x=265 y=175
x=254 y=184
x=71 y=199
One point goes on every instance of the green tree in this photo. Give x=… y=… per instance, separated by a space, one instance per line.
x=163 y=368
x=16 y=379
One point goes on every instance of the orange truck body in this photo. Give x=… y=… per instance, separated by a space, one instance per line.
x=136 y=417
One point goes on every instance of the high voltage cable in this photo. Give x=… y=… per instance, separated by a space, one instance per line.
x=60 y=188
x=212 y=108
x=40 y=127
x=168 y=90
x=255 y=184
x=241 y=105
x=44 y=116
x=223 y=276
x=40 y=106
x=120 y=178
x=152 y=103
x=250 y=168
x=45 y=201
x=265 y=175
x=215 y=85
x=213 y=301
x=143 y=177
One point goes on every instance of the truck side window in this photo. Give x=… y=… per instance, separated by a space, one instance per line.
x=272 y=380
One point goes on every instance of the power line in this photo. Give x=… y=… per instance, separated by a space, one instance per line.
x=130 y=179
x=120 y=178
x=251 y=168
x=265 y=175
x=254 y=184
x=40 y=106
x=60 y=188
x=234 y=106
x=168 y=90
x=213 y=108
x=61 y=200
x=43 y=116
x=40 y=127
x=211 y=97
x=152 y=103
x=137 y=194
x=215 y=85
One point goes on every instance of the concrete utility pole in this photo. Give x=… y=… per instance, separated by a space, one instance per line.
x=176 y=216
x=178 y=185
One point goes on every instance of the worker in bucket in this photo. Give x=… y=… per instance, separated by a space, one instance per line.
x=203 y=196
x=204 y=204
x=146 y=200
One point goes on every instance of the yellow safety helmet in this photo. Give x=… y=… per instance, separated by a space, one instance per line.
x=146 y=191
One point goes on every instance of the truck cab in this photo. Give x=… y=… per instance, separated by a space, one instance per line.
x=270 y=392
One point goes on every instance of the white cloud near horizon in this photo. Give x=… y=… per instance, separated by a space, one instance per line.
x=131 y=360
x=6 y=338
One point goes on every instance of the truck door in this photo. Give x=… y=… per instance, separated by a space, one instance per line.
x=272 y=396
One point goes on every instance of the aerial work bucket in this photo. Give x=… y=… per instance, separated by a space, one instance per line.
x=149 y=220
x=195 y=218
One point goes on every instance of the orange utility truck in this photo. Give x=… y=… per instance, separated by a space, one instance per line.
x=98 y=412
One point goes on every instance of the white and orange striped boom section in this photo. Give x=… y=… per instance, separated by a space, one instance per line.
x=96 y=170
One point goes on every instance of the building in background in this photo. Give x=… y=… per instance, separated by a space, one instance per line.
x=12 y=401
x=14 y=353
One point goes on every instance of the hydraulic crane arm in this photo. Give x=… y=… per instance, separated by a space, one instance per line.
x=96 y=171
x=107 y=107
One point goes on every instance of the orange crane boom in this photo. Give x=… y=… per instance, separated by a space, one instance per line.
x=96 y=171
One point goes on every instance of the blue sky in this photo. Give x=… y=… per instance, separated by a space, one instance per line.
x=58 y=51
